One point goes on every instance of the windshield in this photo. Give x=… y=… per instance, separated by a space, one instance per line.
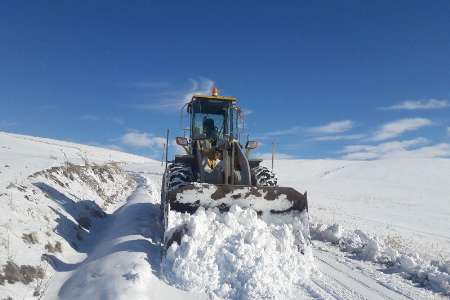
x=210 y=120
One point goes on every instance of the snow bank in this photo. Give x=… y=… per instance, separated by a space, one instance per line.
x=50 y=217
x=432 y=274
x=124 y=261
x=106 y=184
x=237 y=255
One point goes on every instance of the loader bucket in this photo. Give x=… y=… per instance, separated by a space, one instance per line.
x=273 y=204
x=274 y=200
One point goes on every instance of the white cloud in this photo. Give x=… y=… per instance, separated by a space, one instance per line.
x=415 y=148
x=419 y=104
x=268 y=156
x=201 y=86
x=441 y=150
x=142 y=140
x=88 y=117
x=333 y=127
x=448 y=130
x=339 y=137
x=288 y=131
x=330 y=128
x=384 y=147
x=396 y=128
x=176 y=99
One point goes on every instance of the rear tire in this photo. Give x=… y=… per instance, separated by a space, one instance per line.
x=263 y=176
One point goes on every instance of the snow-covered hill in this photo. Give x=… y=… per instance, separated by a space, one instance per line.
x=83 y=222
x=68 y=212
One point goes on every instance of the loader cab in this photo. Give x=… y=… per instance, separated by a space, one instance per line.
x=213 y=118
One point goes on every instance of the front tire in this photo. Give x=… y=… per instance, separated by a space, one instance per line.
x=263 y=176
x=178 y=175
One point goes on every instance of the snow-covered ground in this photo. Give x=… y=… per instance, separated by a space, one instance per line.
x=406 y=201
x=81 y=222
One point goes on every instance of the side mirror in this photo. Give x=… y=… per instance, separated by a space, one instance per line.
x=251 y=145
x=182 y=141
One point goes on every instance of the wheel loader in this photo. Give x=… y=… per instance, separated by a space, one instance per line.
x=217 y=171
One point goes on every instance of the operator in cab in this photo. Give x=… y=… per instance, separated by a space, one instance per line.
x=209 y=129
x=210 y=132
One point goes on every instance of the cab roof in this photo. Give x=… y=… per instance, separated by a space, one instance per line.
x=218 y=98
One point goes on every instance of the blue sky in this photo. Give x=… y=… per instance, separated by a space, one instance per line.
x=339 y=79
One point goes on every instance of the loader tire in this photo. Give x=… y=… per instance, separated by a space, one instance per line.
x=178 y=175
x=263 y=176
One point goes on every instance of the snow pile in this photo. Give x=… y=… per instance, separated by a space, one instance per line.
x=237 y=255
x=433 y=274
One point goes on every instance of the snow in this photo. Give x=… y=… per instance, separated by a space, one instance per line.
x=237 y=255
x=87 y=220
x=89 y=223
x=434 y=274
x=125 y=261
x=406 y=200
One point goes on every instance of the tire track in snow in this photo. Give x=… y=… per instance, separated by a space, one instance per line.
x=341 y=281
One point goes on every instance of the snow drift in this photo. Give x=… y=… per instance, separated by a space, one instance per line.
x=434 y=274
x=237 y=255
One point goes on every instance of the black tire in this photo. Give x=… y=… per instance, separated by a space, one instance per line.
x=263 y=176
x=178 y=175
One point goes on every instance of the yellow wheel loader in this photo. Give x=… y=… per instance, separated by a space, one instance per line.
x=216 y=172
